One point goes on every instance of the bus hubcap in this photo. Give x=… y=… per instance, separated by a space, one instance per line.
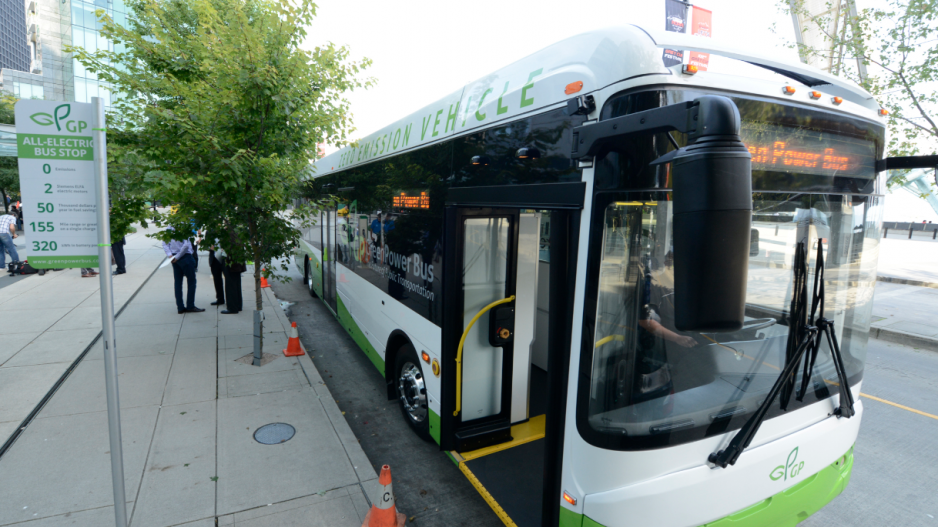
x=413 y=392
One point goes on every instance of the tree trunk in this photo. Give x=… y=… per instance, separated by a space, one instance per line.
x=258 y=300
x=3 y=196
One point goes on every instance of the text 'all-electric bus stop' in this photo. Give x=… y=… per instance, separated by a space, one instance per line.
x=616 y=293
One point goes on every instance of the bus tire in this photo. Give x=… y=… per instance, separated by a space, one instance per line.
x=412 y=391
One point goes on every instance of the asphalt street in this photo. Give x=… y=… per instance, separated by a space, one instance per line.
x=427 y=484
x=896 y=454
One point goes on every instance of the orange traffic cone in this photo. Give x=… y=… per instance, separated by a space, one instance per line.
x=263 y=280
x=293 y=346
x=383 y=512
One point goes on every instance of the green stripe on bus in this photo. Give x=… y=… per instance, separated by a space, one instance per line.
x=790 y=506
x=435 y=426
x=345 y=318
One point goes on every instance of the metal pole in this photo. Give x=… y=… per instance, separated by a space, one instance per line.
x=107 y=313
x=861 y=46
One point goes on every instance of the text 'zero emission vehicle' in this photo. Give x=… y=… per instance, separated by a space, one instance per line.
x=616 y=293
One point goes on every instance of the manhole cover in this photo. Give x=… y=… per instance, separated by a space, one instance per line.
x=274 y=434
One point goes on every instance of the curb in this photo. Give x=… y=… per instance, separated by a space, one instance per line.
x=364 y=470
x=919 y=283
x=906 y=339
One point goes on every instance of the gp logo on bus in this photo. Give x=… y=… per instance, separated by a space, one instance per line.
x=60 y=113
x=790 y=469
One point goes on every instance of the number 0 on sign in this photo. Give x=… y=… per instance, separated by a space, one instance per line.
x=57 y=181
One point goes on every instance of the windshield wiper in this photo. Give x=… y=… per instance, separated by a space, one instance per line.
x=804 y=333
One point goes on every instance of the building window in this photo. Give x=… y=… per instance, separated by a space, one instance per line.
x=23 y=90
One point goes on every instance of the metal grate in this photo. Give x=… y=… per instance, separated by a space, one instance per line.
x=274 y=434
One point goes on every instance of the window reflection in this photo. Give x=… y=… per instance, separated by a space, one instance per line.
x=650 y=380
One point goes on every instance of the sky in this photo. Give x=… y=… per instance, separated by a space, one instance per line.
x=424 y=50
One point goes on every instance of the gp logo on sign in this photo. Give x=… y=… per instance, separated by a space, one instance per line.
x=790 y=469
x=60 y=113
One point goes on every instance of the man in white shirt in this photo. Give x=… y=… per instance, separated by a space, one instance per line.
x=7 y=233
x=181 y=255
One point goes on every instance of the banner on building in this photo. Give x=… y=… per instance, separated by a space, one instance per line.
x=675 y=21
x=701 y=28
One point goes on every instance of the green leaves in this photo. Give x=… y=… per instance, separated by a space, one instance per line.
x=220 y=117
x=898 y=44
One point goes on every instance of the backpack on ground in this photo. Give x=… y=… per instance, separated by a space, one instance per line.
x=17 y=268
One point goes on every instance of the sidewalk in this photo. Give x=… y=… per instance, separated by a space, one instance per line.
x=189 y=411
x=905 y=314
x=47 y=321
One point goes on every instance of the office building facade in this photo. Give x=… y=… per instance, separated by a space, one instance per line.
x=52 y=73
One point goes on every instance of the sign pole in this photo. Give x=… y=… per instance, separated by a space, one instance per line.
x=107 y=311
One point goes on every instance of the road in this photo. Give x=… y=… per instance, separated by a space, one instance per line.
x=893 y=482
x=427 y=484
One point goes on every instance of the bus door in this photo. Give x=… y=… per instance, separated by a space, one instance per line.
x=487 y=254
x=509 y=298
x=329 y=256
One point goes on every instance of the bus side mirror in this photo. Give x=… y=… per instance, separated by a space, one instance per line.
x=712 y=185
x=712 y=193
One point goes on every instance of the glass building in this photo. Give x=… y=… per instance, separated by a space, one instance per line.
x=50 y=26
x=14 y=51
x=85 y=29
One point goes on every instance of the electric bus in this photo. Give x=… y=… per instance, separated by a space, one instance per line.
x=517 y=260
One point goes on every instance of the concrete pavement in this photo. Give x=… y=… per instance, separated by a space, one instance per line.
x=48 y=321
x=189 y=411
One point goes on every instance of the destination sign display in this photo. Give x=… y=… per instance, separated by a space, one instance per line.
x=404 y=201
x=781 y=149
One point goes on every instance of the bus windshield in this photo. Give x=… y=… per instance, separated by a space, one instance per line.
x=652 y=385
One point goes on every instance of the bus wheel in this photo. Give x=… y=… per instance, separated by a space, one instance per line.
x=412 y=392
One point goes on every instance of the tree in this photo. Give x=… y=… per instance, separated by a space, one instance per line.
x=9 y=171
x=227 y=109
x=899 y=44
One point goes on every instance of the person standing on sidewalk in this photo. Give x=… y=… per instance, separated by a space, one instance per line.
x=218 y=267
x=180 y=253
x=233 y=287
x=117 y=250
x=7 y=233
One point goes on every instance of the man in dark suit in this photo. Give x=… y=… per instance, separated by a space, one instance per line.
x=117 y=249
x=233 y=287
x=217 y=269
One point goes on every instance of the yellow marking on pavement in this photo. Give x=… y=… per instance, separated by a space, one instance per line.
x=884 y=401
x=913 y=410
x=499 y=511
x=532 y=430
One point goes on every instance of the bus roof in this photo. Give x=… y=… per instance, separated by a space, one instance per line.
x=578 y=65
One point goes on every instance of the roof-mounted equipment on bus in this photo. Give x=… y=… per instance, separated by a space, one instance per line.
x=712 y=208
x=837 y=100
x=883 y=112
x=582 y=105
x=689 y=69
x=814 y=94
x=788 y=90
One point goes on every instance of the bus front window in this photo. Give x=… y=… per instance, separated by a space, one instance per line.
x=657 y=385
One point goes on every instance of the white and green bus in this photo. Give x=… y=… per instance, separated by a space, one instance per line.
x=584 y=276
